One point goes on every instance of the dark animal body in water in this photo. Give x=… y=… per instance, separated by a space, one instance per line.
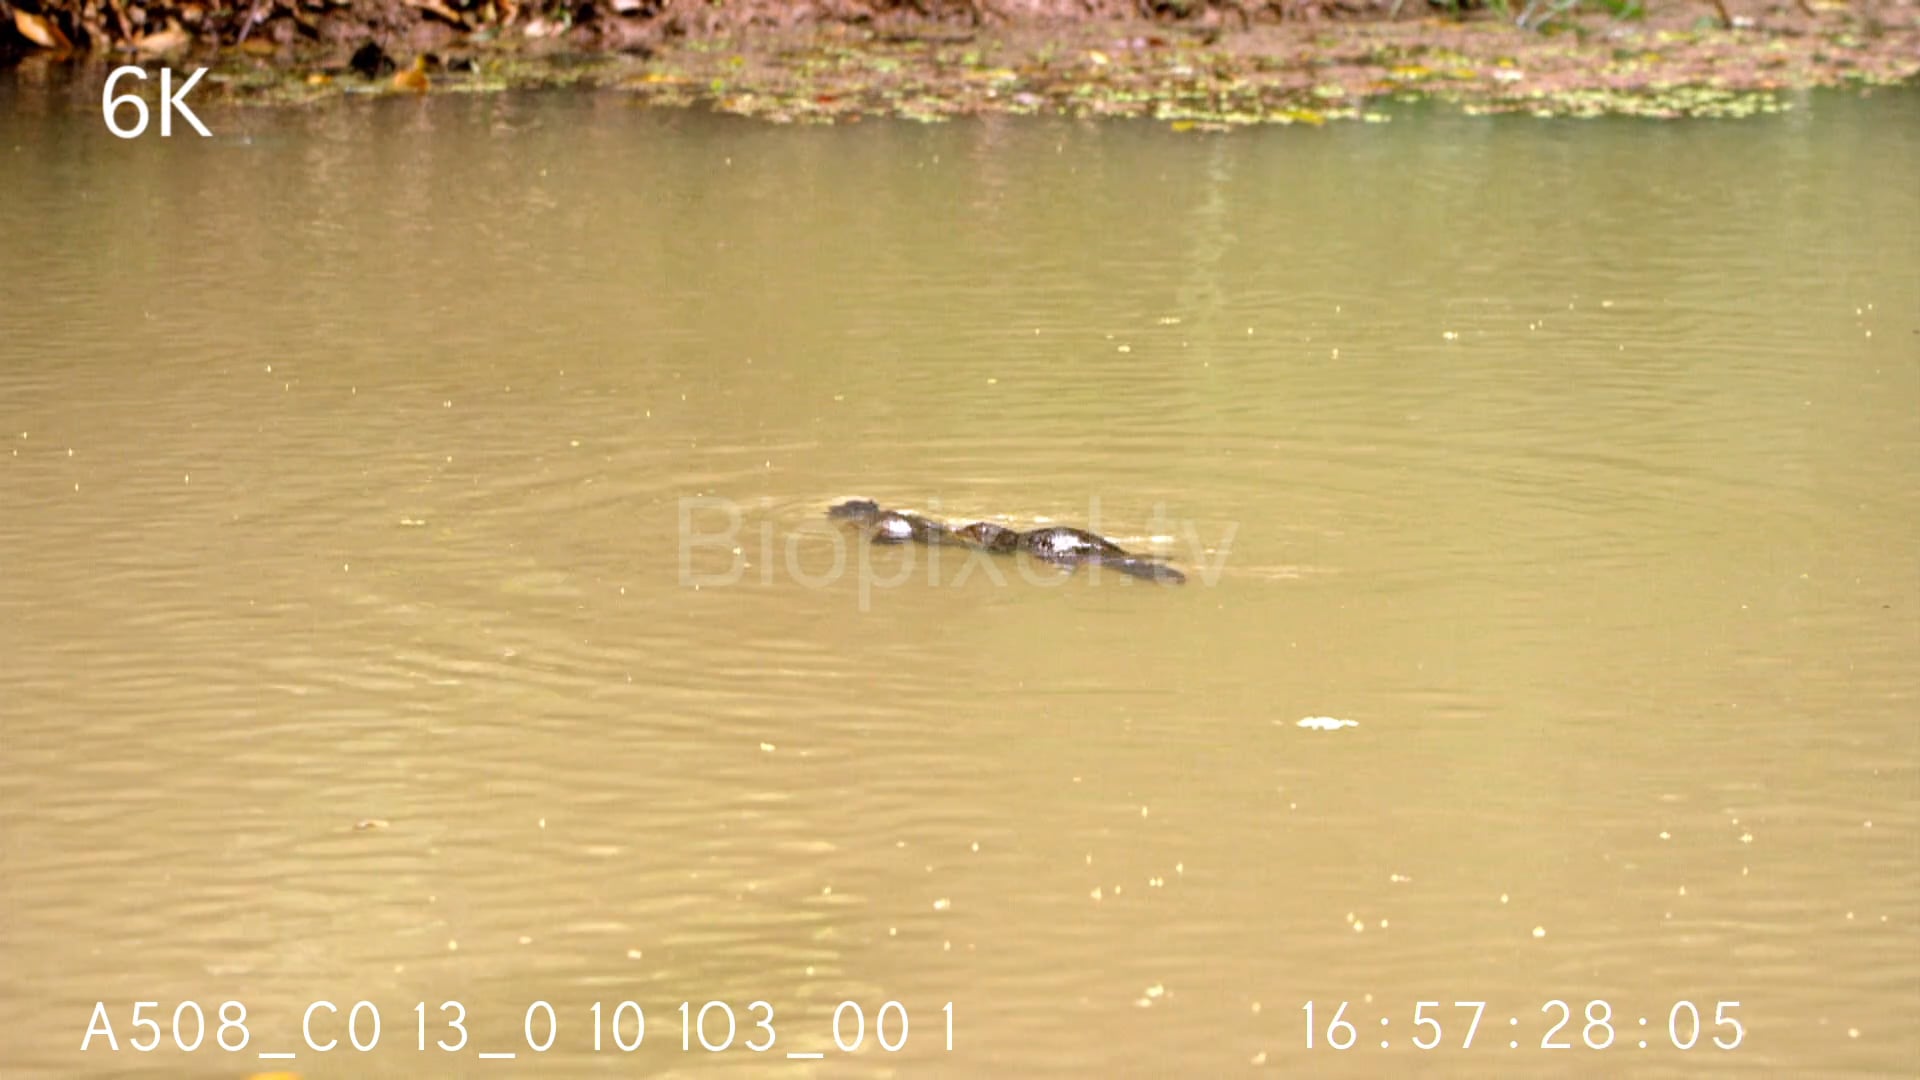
x=1057 y=544
x=893 y=526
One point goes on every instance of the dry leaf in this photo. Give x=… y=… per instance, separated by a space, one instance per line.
x=40 y=30
x=413 y=78
x=440 y=11
x=172 y=39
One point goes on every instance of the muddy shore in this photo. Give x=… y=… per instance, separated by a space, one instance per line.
x=1206 y=67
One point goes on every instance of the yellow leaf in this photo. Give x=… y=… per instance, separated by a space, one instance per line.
x=1098 y=58
x=413 y=78
x=1183 y=125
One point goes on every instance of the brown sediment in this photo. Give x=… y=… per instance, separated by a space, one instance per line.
x=1201 y=65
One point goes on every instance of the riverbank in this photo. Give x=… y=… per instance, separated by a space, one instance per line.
x=1217 y=68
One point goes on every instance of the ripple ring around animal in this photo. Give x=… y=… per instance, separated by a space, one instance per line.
x=1057 y=544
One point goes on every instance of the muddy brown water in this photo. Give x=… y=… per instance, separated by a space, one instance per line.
x=373 y=629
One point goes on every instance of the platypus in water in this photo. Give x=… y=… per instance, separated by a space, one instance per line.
x=1066 y=546
x=1057 y=544
x=893 y=526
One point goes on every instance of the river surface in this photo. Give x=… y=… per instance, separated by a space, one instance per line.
x=415 y=588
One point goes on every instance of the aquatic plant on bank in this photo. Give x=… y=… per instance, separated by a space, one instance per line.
x=1197 y=67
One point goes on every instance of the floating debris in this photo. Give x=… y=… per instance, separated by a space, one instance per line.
x=1327 y=723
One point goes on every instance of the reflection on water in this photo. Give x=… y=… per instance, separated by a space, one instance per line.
x=351 y=653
